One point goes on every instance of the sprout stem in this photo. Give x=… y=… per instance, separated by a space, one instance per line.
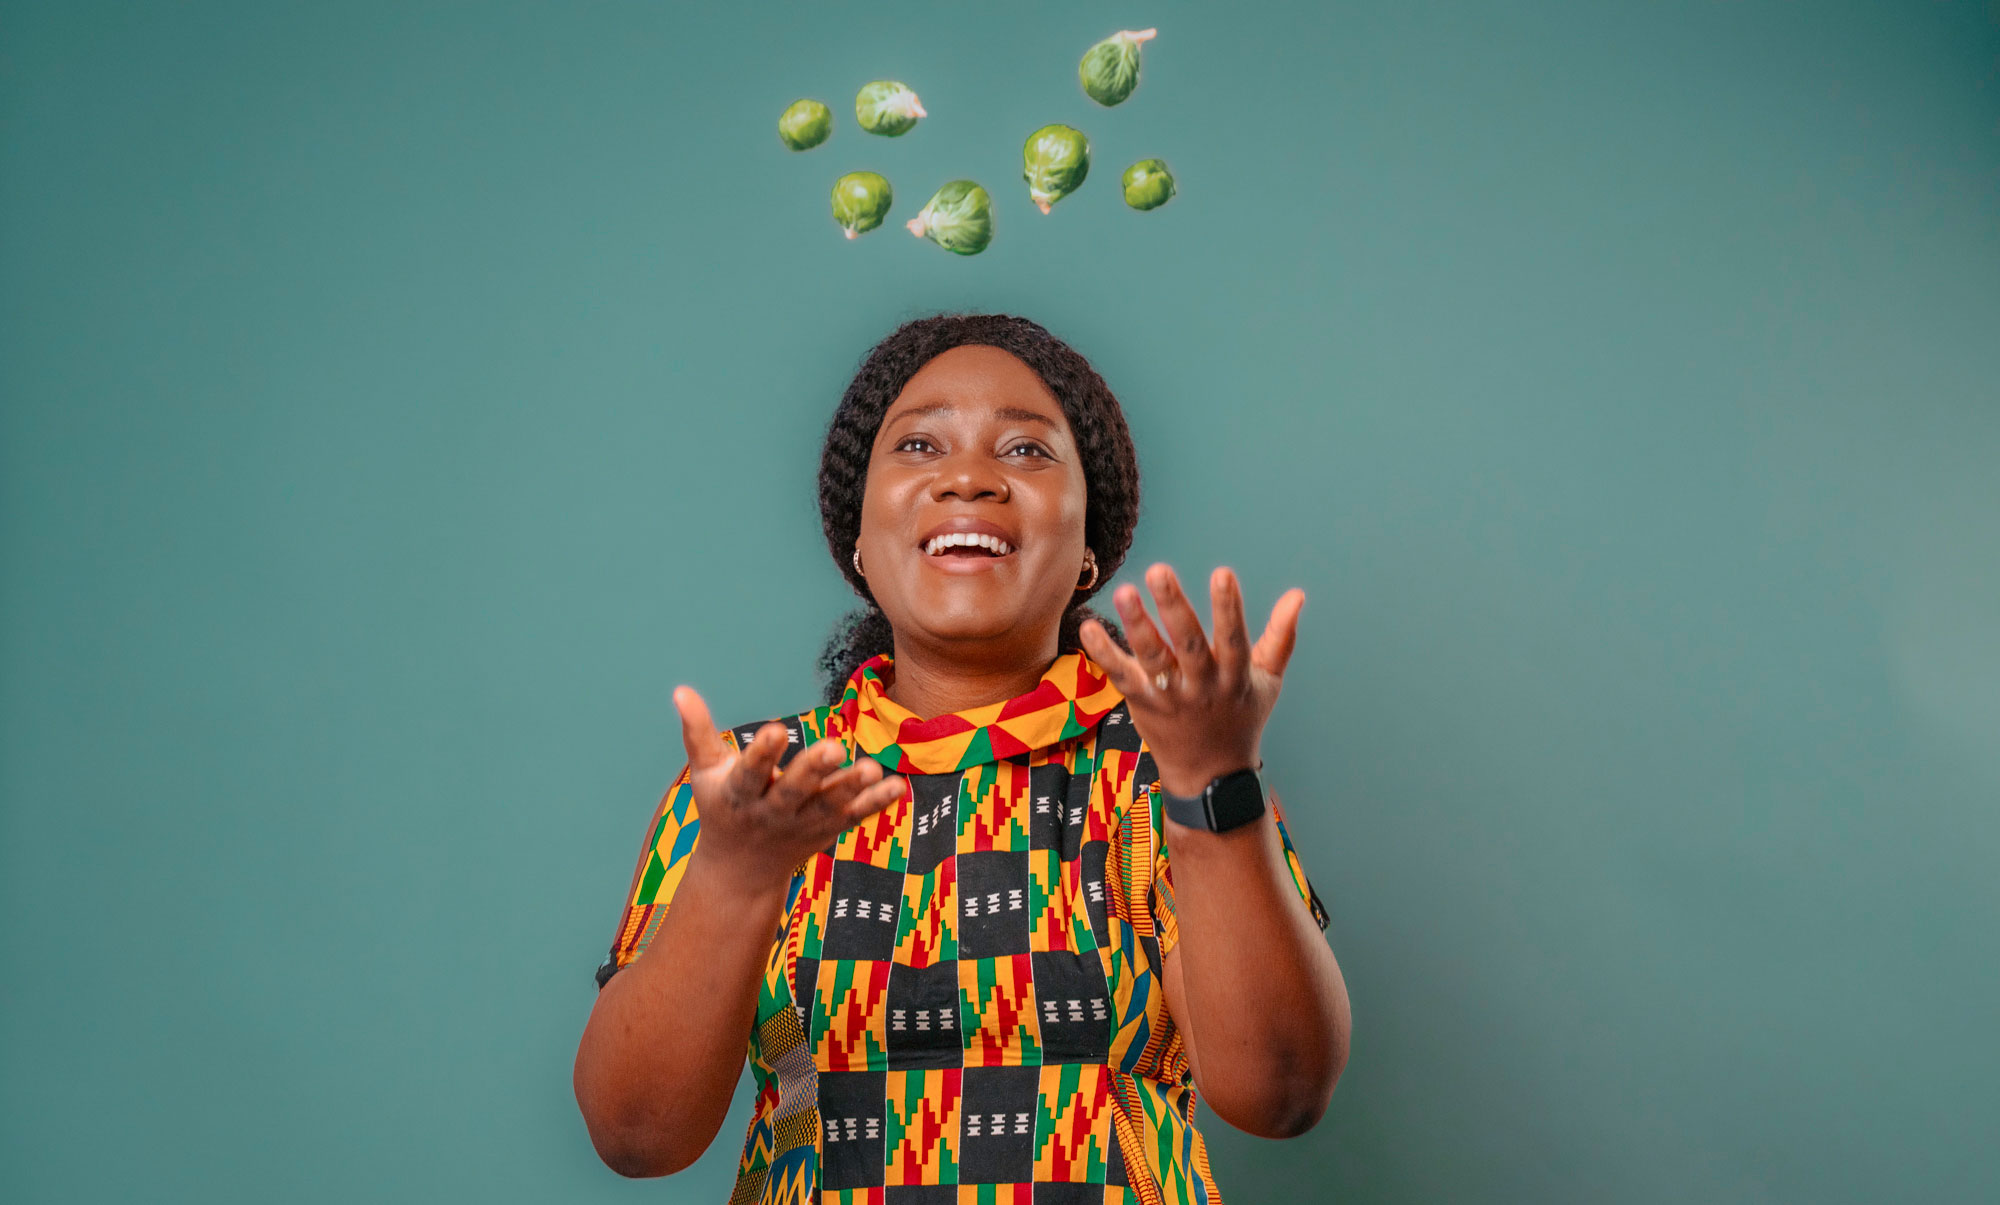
x=1138 y=35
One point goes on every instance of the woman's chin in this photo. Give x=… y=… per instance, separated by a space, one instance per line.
x=973 y=620
x=966 y=629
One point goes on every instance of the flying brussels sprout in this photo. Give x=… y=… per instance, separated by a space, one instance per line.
x=1054 y=163
x=887 y=108
x=959 y=218
x=805 y=124
x=860 y=201
x=1110 y=69
x=1148 y=184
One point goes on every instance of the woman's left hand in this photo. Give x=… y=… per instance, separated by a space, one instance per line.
x=1200 y=707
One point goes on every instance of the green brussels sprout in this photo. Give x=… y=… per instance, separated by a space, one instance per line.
x=805 y=124
x=1110 y=69
x=1054 y=163
x=887 y=108
x=1148 y=184
x=959 y=218
x=860 y=201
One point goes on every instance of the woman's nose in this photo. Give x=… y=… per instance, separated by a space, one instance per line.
x=969 y=477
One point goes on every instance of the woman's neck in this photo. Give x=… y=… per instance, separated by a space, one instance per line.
x=931 y=682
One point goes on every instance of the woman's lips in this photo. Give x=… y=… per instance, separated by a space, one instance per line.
x=959 y=563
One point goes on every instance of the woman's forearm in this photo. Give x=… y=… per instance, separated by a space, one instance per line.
x=665 y=1043
x=1260 y=995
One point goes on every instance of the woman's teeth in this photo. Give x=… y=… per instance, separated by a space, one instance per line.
x=967 y=539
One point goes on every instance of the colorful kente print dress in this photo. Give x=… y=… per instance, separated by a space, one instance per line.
x=962 y=1001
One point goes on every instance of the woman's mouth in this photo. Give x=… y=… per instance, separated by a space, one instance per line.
x=966 y=544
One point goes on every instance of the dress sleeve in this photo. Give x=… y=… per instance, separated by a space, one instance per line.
x=1164 y=921
x=1300 y=883
x=663 y=859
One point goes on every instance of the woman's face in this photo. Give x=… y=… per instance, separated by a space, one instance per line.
x=972 y=516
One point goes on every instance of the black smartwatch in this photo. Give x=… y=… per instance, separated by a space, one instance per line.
x=1229 y=802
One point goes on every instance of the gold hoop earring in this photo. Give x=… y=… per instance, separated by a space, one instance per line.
x=857 y=562
x=1090 y=562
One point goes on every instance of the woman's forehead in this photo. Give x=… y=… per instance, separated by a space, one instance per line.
x=978 y=382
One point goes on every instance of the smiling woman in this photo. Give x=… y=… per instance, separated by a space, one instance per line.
x=940 y=908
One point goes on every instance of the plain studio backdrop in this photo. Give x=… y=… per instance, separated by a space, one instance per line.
x=400 y=399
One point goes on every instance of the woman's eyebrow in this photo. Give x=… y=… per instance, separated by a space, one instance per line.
x=1010 y=413
x=1017 y=415
x=918 y=411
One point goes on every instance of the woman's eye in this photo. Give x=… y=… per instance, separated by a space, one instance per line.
x=1031 y=449
x=914 y=444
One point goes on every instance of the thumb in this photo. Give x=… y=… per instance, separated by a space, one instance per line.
x=705 y=746
x=1273 y=650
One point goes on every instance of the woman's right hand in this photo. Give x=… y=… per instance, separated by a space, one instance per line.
x=757 y=824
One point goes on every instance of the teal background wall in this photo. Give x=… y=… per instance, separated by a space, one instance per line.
x=397 y=400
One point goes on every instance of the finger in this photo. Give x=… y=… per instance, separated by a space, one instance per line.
x=875 y=798
x=751 y=775
x=802 y=779
x=705 y=746
x=1232 y=637
x=1274 y=647
x=839 y=788
x=1147 y=644
x=1113 y=660
x=1118 y=665
x=1182 y=624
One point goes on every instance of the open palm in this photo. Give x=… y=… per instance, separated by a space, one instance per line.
x=1199 y=705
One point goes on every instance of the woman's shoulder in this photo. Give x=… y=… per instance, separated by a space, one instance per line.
x=802 y=728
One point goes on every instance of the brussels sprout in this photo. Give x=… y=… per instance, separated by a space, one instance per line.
x=805 y=124
x=959 y=218
x=860 y=201
x=1148 y=184
x=1054 y=163
x=887 y=108
x=1110 y=69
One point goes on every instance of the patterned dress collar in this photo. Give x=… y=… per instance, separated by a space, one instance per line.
x=1073 y=695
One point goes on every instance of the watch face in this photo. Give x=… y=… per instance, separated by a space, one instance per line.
x=1235 y=800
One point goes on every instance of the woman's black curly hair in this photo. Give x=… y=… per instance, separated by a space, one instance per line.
x=1110 y=466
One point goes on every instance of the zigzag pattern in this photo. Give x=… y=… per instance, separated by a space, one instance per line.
x=881 y=840
x=1072 y=1124
x=927 y=924
x=997 y=999
x=995 y=816
x=850 y=1017
x=922 y=1132
x=1050 y=913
